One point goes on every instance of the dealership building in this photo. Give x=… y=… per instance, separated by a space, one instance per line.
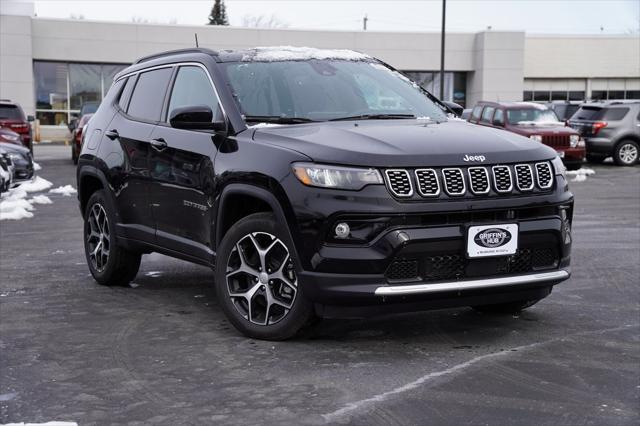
x=52 y=66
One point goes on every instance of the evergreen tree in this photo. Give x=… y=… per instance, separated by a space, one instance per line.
x=218 y=15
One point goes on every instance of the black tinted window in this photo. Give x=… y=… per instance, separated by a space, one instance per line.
x=587 y=113
x=11 y=112
x=614 y=114
x=193 y=87
x=148 y=95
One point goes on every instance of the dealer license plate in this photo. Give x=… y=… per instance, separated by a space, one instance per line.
x=492 y=240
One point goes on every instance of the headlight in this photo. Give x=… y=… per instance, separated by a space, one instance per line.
x=537 y=138
x=573 y=140
x=559 y=167
x=336 y=177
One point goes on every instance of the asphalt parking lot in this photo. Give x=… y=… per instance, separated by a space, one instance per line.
x=161 y=352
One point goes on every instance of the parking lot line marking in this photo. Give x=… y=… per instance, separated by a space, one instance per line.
x=362 y=404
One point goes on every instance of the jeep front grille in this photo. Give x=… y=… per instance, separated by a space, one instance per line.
x=544 y=175
x=428 y=185
x=502 y=179
x=472 y=181
x=524 y=177
x=399 y=182
x=479 y=180
x=453 y=181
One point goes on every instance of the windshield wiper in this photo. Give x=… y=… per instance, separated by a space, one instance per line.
x=277 y=120
x=374 y=117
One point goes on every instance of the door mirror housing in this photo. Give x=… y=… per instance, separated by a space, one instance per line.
x=195 y=117
x=454 y=108
x=30 y=118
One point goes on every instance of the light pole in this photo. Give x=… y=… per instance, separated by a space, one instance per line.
x=444 y=9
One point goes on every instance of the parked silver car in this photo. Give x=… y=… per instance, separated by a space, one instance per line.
x=610 y=129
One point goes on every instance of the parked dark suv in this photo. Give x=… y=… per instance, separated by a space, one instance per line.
x=317 y=183
x=610 y=129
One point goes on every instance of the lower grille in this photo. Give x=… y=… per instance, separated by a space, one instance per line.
x=403 y=269
x=451 y=267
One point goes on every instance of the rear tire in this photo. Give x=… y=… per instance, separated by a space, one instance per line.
x=109 y=264
x=74 y=155
x=626 y=153
x=506 y=308
x=256 y=281
x=595 y=158
x=573 y=166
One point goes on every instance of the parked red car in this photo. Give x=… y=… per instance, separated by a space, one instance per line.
x=12 y=117
x=536 y=122
x=76 y=137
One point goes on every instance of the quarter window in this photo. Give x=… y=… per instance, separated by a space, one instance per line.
x=615 y=114
x=193 y=87
x=126 y=93
x=148 y=96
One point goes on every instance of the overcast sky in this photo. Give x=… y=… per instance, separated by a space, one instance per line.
x=533 y=16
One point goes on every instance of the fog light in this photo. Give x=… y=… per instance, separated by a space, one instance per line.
x=342 y=230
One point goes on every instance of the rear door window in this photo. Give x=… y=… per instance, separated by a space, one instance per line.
x=147 y=99
x=614 y=114
x=487 y=114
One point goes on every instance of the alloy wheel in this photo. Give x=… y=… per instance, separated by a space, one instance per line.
x=628 y=153
x=98 y=237
x=261 y=279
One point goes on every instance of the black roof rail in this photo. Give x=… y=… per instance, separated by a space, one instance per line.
x=5 y=100
x=176 y=52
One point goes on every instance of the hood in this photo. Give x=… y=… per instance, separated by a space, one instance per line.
x=10 y=147
x=546 y=129
x=403 y=143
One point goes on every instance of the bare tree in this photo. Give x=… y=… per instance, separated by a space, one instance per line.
x=263 y=21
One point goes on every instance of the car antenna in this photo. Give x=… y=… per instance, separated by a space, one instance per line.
x=196 y=35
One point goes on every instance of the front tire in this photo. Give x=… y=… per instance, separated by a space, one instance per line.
x=626 y=153
x=506 y=308
x=573 y=166
x=109 y=264
x=256 y=281
x=595 y=158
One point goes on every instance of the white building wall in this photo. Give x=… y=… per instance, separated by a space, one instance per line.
x=16 y=63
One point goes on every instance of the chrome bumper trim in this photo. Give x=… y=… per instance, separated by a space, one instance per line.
x=472 y=284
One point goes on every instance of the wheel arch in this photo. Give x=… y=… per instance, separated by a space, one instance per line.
x=90 y=180
x=235 y=195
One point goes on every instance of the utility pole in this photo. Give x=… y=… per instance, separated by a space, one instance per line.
x=364 y=23
x=444 y=9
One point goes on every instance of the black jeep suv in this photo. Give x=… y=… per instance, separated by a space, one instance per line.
x=317 y=183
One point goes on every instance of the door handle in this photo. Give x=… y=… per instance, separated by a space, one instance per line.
x=112 y=134
x=159 y=144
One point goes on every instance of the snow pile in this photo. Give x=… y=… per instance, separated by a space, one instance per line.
x=37 y=184
x=581 y=174
x=66 y=190
x=36 y=166
x=40 y=199
x=15 y=209
x=292 y=53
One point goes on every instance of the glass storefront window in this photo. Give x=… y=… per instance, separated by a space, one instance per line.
x=85 y=84
x=62 y=88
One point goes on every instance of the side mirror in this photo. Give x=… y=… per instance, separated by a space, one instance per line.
x=72 y=124
x=31 y=118
x=454 y=108
x=196 y=117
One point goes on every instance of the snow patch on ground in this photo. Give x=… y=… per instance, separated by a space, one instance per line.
x=66 y=190
x=40 y=199
x=37 y=184
x=581 y=174
x=36 y=166
x=54 y=423
x=292 y=53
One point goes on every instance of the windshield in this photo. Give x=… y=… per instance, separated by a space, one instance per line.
x=319 y=90
x=517 y=116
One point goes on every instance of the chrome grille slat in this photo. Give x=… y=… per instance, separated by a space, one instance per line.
x=399 y=182
x=454 y=181
x=503 y=183
x=544 y=175
x=524 y=177
x=479 y=180
x=428 y=184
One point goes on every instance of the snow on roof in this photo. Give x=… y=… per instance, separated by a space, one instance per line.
x=292 y=53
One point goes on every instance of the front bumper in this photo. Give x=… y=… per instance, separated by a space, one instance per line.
x=573 y=155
